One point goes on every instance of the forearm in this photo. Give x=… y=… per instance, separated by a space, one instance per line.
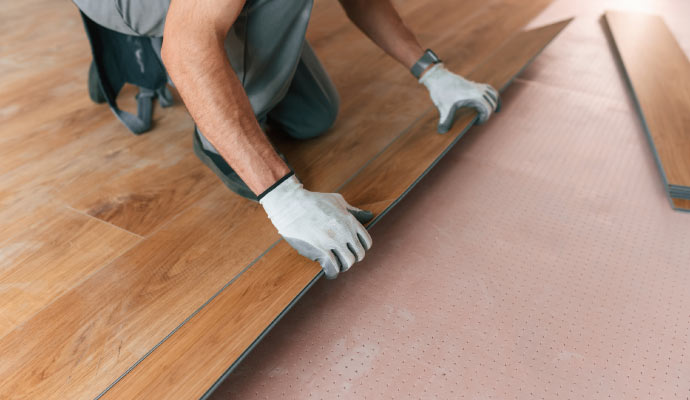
x=379 y=20
x=197 y=63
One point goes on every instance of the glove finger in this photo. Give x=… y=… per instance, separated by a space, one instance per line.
x=356 y=249
x=345 y=257
x=483 y=109
x=489 y=100
x=497 y=96
x=446 y=121
x=489 y=90
x=330 y=265
x=363 y=216
x=364 y=238
x=328 y=262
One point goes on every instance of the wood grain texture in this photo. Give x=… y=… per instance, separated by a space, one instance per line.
x=93 y=333
x=140 y=201
x=658 y=73
x=200 y=238
x=203 y=348
x=55 y=249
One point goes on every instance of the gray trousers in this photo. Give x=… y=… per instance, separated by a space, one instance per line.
x=284 y=81
x=308 y=108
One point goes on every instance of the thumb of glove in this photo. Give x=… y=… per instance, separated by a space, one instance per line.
x=363 y=216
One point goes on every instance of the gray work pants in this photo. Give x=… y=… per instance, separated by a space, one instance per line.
x=310 y=105
x=281 y=75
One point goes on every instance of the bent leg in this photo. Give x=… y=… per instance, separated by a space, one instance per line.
x=311 y=105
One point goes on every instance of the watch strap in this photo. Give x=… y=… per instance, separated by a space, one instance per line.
x=427 y=59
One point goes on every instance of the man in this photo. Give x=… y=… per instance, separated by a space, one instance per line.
x=242 y=64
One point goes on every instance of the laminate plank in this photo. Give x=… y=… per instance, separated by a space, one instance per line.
x=46 y=254
x=49 y=121
x=681 y=204
x=141 y=201
x=658 y=73
x=224 y=330
x=137 y=183
x=91 y=335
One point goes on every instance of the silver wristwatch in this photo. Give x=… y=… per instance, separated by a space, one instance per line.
x=427 y=59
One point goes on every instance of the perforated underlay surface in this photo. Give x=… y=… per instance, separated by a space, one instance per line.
x=539 y=259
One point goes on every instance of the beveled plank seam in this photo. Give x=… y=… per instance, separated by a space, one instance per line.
x=187 y=319
x=104 y=221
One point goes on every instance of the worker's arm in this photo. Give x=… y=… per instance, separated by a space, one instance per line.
x=379 y=20
x=195 y=58
x=321 y=226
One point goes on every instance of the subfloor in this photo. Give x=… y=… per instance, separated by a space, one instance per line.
x=539 y=260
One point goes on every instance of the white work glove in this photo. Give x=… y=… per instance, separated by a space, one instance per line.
x=449 y=92
x=320 y=226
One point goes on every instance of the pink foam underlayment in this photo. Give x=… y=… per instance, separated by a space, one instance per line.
x=540 y=259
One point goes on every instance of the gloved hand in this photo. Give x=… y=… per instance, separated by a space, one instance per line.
x=320 y=226
x=449 y=92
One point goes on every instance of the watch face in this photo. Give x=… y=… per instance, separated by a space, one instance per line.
x=434 y=57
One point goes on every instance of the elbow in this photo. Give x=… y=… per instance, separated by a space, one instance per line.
x=184 y=50
x=180 y=54
x=170 y=53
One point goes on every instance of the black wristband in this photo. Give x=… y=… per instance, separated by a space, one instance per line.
x=427 y=59
x=275 y=185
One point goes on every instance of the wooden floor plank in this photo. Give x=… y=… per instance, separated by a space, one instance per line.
x=112 y=319
x=215 y=338
x=141 y=201
x=658 y=73
x=93 y=333
x=681 y=204
x=47 y=253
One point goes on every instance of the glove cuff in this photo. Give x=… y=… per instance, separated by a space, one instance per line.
x=276 y=184
x=282 y=194
x=433 y=74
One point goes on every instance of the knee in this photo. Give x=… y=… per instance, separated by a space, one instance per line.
x=320 y=120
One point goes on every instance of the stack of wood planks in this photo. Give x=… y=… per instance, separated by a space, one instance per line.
x=658 y=75
x=147 y=278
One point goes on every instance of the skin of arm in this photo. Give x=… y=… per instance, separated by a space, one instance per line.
x=195 y=58
x=379 y=20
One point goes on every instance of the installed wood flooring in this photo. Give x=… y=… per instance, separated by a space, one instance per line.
x=110 y=242
x=658 y=73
